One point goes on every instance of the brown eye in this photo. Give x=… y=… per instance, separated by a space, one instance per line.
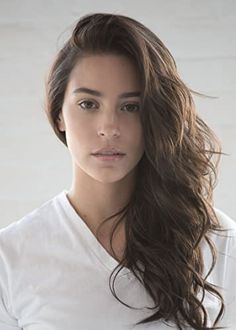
x=132 y=107
x=88 y=104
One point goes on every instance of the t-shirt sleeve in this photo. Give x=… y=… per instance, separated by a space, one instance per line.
x=7 y=320
x=230 y=285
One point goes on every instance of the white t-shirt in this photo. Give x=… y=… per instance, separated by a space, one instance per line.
x=54 y=275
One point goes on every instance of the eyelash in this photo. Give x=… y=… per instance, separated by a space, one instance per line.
x=88 y=101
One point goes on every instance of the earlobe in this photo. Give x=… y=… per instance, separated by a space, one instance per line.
x=61 y=124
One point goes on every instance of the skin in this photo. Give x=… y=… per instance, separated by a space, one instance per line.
x=98 y=188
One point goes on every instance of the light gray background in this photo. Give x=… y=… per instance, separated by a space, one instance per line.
x=34 y=165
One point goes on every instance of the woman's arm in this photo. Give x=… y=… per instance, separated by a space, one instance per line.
x=7 y=320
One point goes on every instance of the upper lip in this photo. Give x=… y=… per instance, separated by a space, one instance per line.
x=108 y=151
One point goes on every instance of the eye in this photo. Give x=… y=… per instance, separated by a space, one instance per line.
x=89 y=103
x=132 y=107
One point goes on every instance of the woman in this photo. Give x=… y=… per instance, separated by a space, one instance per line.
x=140 y=206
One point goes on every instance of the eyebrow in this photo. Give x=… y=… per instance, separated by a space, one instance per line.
x=97 y=93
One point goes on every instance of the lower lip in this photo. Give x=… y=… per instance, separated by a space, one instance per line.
x=109 y=157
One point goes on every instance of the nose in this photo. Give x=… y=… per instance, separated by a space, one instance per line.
x=109 y=126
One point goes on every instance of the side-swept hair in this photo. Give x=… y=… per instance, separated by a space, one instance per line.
x=171 y=210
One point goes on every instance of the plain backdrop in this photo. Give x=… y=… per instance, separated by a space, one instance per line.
x=34 y=165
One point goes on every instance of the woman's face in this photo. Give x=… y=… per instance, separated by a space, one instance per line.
x=92 y=121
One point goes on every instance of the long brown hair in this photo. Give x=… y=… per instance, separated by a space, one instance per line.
x=171 y=210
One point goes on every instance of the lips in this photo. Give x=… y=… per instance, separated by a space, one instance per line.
x=108 y=151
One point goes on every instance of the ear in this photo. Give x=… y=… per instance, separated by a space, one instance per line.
x=61 y=122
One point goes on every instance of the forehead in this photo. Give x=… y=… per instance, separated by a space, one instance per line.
x=105 y=69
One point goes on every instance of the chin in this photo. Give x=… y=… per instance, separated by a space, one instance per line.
x=111 y=177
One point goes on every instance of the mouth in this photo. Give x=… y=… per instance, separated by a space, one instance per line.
x=108 y=151
x=112 y=157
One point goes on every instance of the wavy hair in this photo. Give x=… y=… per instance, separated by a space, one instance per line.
x=171 y=209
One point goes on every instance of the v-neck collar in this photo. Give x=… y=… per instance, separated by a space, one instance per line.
x=105 y=258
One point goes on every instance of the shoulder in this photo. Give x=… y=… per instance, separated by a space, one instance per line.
x=224 y=242
x=227 y=237
x=225 y=270
x=225 y=220
x=29 y=229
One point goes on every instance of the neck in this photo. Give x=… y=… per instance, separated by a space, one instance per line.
x=94 y=201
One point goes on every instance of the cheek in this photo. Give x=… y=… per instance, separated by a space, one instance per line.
x=78 y=126
x=134 y=134
x=79 y=135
